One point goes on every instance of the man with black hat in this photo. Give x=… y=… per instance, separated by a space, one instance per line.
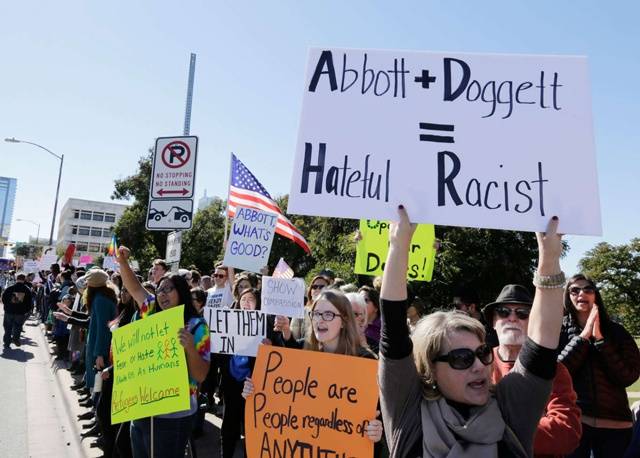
x=559 y=430
x=17 y=303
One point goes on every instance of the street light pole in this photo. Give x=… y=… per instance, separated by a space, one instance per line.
x=32 y=222
x=61 y=158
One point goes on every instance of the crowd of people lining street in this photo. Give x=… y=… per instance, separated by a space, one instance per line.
x=541 y=371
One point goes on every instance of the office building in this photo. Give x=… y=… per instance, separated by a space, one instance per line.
x=88 y=224
x=7 y=201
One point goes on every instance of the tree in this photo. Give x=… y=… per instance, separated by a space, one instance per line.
x=202 y=244
x=130 y=230
x=27 y=250
x=616 y=270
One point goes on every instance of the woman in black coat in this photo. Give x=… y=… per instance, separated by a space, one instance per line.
x=603 y=360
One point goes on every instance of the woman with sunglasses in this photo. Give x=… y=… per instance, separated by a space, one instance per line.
x=170 y=432
x=603 y=360
x=435 y=385
x=299 y=326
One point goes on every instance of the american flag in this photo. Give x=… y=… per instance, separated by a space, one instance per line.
x=246 y=191
x=282 y=270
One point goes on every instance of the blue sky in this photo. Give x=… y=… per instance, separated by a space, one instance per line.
x=99 y=81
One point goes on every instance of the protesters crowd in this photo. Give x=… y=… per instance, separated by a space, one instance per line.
x=540 y=371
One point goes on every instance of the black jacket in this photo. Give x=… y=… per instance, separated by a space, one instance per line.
x=17 y=299
x=600 y=370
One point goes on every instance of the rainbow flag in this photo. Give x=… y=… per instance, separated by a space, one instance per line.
x=113 y=246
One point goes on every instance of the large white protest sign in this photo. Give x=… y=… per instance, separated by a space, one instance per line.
x=46 y=260
x=235 y=331
x=459 y=139
x=250 y=240
x=283 y=296
x=30 y=266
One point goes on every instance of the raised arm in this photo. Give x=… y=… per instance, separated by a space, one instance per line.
x=129 y=279
x=394 y=280
x=547 y=310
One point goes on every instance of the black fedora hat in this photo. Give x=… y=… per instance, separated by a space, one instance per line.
x=510 y=294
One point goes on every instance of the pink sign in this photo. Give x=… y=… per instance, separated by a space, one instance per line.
x=85 y=259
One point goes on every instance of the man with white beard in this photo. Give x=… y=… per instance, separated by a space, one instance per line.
x=559 y=429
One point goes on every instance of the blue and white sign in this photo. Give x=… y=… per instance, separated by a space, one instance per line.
x=250 y=240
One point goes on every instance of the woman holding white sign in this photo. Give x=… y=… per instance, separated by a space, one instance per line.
x=436 y=395
x=171 y=431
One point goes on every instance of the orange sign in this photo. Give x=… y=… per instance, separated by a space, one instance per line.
x=310 y=404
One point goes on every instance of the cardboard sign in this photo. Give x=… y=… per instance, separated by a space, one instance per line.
x=149 y=367
x=309 y=403
x=283 y=296
x=219 y=298
x=371 y=252
x=235 y=331
x=30 y=266
x=109 y=262
x=85 y=259
x=250 y=241
x=46 y=260
x=460 y=139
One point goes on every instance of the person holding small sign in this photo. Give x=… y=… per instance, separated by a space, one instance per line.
x=333 y=330
x=171 y=431
x=435 y=386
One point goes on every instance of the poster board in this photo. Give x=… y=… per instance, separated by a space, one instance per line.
x=371 y=251
x=330 y=400
x=475 y=140
x=235 y=331
x=149 y=367
x=250 y=239
x=283 y=296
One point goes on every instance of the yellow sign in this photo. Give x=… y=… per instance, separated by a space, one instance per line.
x=371 y=252
x=149 y=367
x=310 y=403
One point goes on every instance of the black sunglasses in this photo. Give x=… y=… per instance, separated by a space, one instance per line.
x=575 y=290
x=463 y=358
x=521 y=312
x=317 y=286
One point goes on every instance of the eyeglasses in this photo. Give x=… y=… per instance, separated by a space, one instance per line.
x=521 y=313
x=317 y=286
x=165 y=289
x=327 y=315
x=220 y=275
x=358 y=314
x=463 y=358
x=588 y=289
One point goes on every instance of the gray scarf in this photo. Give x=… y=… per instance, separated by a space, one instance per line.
x=447 y=434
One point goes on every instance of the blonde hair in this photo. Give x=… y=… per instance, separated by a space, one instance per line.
x=348 y=340
x=429 y=338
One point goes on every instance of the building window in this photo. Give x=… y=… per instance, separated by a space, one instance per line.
x=98 y=216
x=83 y=230
x=76 y=214
x=94 y=247
x=106 y=233
x=74 y=230
x=82 y=246
x=96 y=232
x=110 y=217
x=85 y=214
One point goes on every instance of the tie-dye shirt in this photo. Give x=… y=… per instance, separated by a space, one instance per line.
x=197 y=326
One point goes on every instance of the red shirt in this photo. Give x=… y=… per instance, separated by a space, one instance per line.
x=560 y=429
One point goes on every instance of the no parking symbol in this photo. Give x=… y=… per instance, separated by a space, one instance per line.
x=176 y=154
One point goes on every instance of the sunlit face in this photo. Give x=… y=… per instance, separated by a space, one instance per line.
x=583 y=301
x=220 y=277
x=198 y=304
x=511 y=330
x=468 y=386
x=360 y=313
x=316 y=288
x=372 y=311
x=243 y=284
x=326 y=331
x=167 y=295
x=412 y=315
x=157 y=271
x=248 y=302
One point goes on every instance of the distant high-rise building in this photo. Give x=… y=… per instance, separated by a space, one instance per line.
x=205 y=201
x=7 y=200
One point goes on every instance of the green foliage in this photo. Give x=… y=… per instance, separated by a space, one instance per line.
x=27 y=250
x=202 y=244
x=130 y=230
x=616 y=270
